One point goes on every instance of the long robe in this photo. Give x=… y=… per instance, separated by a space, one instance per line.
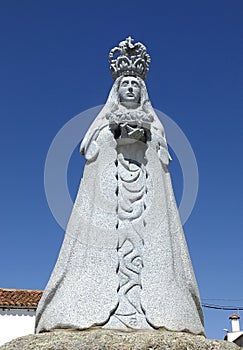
x=124 y=262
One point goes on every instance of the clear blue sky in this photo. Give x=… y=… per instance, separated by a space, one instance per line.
x=53 y=65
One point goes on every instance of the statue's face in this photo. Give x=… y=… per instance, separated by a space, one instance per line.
x=129 y=90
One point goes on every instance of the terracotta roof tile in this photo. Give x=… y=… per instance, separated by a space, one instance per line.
x=234 y=317
x=19 y=297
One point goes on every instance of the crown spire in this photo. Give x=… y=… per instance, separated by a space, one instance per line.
x=129 y=59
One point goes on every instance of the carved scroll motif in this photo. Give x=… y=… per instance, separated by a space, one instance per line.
x=131 y=204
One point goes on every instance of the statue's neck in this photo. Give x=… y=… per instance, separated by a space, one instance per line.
x=130 y=105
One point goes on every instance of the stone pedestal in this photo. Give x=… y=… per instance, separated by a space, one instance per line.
x=101 y=339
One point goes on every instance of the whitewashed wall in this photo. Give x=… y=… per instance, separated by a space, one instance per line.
x=15 y=323
x=233 y=336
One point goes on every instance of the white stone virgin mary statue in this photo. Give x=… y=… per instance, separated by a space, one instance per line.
x=124 y=262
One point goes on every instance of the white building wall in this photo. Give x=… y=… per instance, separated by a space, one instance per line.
x=16 y=323
x=233 y=336
x=235 y=324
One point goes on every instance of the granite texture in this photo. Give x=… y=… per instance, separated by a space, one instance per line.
x=124 y=262
x=116 y=340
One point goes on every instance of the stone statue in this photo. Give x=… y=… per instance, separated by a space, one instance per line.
x=124 y=262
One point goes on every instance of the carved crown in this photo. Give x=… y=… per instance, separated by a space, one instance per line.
x=129 y=59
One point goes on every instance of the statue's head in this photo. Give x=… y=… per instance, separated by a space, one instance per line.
x=129 y=91
x=129 y=65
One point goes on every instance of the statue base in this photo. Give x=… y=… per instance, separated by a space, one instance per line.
x=116 y=340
